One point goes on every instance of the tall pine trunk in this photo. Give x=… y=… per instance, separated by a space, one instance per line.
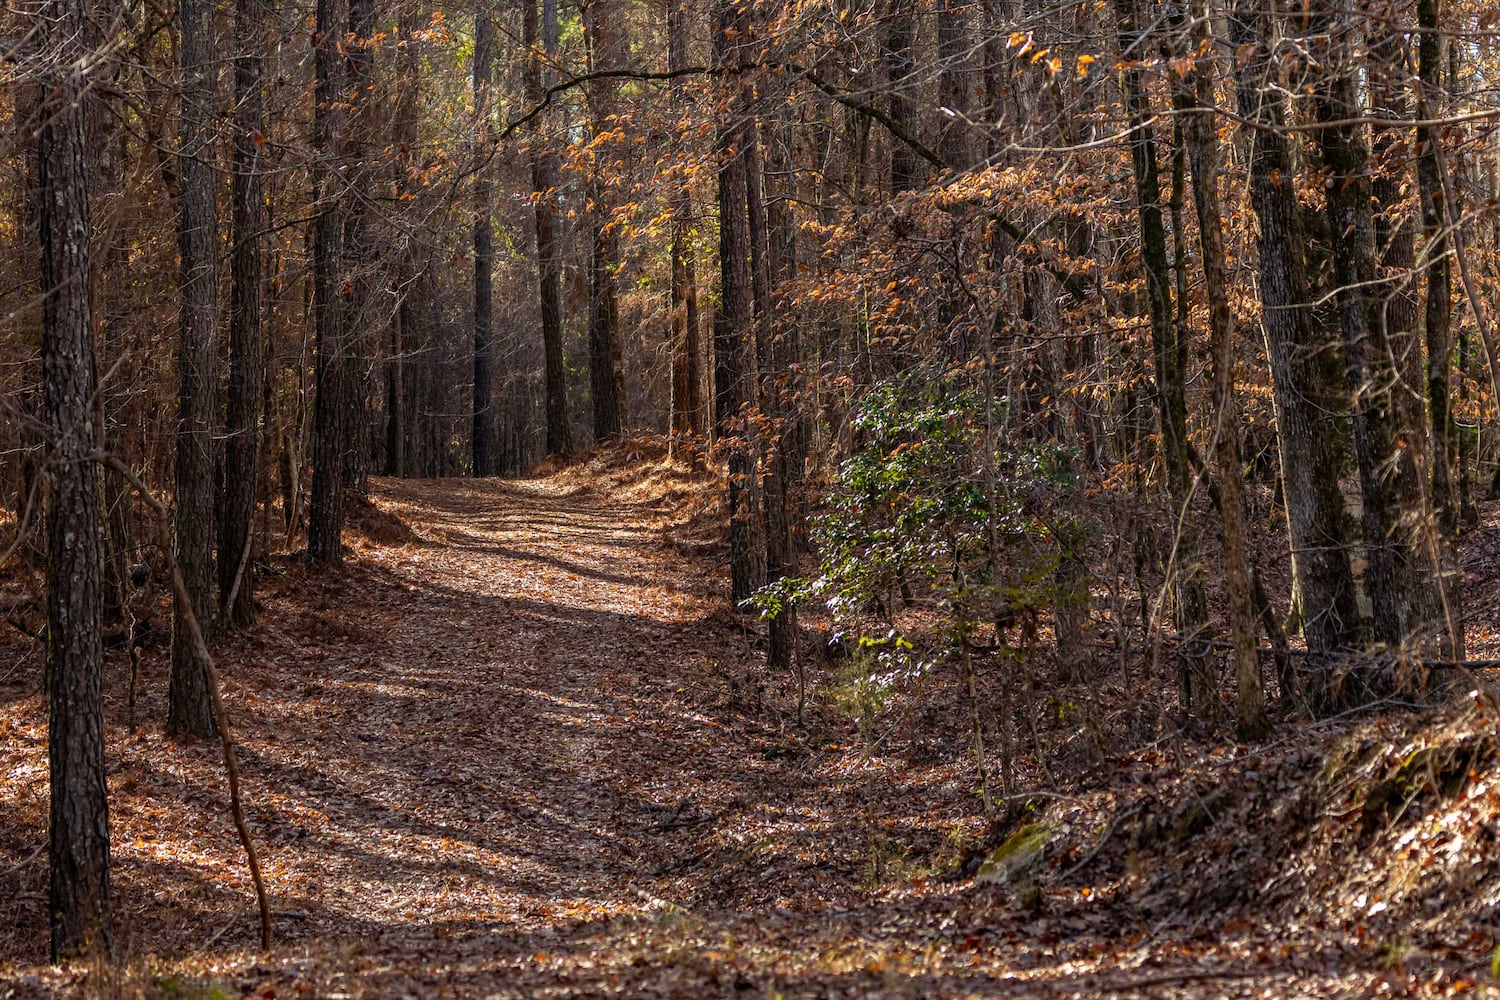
x=687 y=381
x=767 y=268
x=606 y=369
x=549 y=264
x=78 y=827
x=189 y=709
x=483 y=433
x=356 y=146
x=734 y=327
x=326 y=515
x=242 y=431
x=1400 y=578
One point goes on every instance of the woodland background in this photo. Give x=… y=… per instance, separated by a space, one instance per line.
x=1144 y=347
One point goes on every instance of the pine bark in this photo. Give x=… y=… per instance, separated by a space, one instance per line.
x=78 y=828
x=189 y=709
x=326 y=515
x=549 y=264
x=242 y=445
x=767 y=268
x=606 y=366
x=356 y=145
x=734 y=327
x=687 y=381
x=483 y=431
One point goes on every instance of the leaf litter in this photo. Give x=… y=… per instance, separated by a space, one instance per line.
x=517 y=747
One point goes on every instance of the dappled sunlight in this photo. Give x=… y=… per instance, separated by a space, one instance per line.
x=499 y=750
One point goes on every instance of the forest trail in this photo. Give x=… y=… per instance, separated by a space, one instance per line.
x=521 y=754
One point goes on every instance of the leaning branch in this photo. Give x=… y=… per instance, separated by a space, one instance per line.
x=848 y=100
x=200 y=648
x=1076 y=288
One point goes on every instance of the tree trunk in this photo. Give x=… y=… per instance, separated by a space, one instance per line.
x=1070 y=603
x=78 y=828
x=355 y=145
x=1201 y=135
x=189 y=709
x=326 y=517
x=405 y=279
x=734 y=329
x=1389 y=89
x=1306 y=434
x=1169 y=355
x=246 y=351
x=953 y=83
x=766 y=268
x=606 y=370
x=900 y=31
x=1442 y=438
x=549 y=268
x=483 y=437
x=687 y=396
x=1399 y=579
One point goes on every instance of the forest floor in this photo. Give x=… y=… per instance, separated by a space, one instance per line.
x=518 y=747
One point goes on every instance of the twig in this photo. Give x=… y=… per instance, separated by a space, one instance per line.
x=1103 y=839
x=239 y=572
x=200 y=648
x=24 y=861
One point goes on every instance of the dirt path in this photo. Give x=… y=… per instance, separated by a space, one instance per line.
x=524 y=755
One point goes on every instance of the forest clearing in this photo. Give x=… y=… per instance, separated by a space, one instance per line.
x=520 y=750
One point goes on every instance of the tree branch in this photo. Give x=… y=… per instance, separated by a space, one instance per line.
x=200 y=647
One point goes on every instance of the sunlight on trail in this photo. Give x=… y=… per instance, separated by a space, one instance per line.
x=519 y=757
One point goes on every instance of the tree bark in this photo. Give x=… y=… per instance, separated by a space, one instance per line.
x=1399 y=578
x=355 y=145
x=687 y=393
x=78 y=828
x=242 y=445
x=603 y=26
x=896 y=55
x=326 y=517
x=1389 y=86
x=1442 y=443
x=188 y=706
x=734 y=328
x=766 y=269
x=549 y=268
x=953 y=82
x=1169 y=355
x=1201 y=136
x=1323 y=582
x=483 y=434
